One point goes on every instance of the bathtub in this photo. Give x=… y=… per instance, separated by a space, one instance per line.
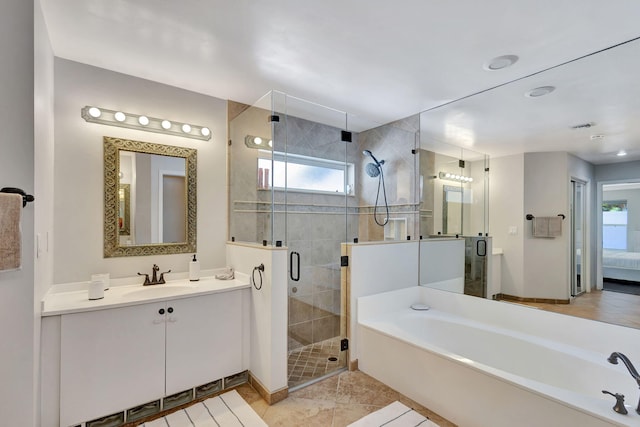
x=461 y=361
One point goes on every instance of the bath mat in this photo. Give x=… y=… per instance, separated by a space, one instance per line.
x=394 y=415
x=226 y=410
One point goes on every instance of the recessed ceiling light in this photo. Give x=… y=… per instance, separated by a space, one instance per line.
x=621 y=153
x=539 y=91
x=597 y=137
x=500 y=62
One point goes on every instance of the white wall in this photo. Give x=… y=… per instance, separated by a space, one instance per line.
x=43 y=181
x=506 y=209
x=375 y=268
x=78 y=179
x=268 y=324
x=18 y=327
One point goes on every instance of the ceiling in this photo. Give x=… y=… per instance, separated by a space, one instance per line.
x=381 y=61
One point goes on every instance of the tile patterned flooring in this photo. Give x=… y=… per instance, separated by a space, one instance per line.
x=336 y=401
x=606 y=306
x=312 y=361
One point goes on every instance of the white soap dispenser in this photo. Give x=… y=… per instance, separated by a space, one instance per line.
x=194 y=269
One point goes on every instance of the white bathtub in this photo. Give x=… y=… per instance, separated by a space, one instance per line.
x=535 y=371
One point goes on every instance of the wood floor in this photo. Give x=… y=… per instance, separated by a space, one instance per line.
x=606 y=306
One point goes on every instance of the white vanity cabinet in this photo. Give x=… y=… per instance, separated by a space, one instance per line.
x=110 y=360
x=114 y=359
x=204 y=340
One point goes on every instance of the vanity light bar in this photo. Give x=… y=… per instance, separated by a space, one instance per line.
x=454 y=177
x=258 y=142
x=146 y=123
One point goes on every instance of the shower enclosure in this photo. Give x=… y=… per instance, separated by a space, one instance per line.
x=291 y=167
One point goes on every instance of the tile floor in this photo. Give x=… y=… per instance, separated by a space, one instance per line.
x=314 y=361
x=333 y=402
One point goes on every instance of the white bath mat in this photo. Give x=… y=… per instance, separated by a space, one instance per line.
x=226 y=410
x=394 y=415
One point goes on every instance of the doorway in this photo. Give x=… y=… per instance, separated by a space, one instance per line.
x=578 y=237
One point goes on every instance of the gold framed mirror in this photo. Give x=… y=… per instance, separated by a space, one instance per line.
x=150 y=198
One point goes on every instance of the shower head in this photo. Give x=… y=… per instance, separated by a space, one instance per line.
x=372 y=170
x=370 y=154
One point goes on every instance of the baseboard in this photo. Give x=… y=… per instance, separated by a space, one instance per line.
x=506 y=297
x=269 y=397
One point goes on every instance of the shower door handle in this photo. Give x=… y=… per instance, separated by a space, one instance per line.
x=291 y=256
x=482 y=252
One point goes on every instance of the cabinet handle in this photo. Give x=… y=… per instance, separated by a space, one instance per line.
x=161 y=311
x=170 y=309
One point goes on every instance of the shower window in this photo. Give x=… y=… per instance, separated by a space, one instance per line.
x=304 y=173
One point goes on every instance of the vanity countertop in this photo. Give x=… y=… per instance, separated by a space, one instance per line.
x=57 y=302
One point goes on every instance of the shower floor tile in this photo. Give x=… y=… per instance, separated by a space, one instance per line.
x=312 y=361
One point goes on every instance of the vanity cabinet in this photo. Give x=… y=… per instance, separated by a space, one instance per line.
x=115 y=359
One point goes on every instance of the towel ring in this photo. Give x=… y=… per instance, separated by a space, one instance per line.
x=25 y=197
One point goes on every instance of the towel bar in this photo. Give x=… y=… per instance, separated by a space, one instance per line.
x=25 y=197
x=530 y=217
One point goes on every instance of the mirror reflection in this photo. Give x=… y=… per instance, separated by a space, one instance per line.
x=559 y=174
x=150 y=198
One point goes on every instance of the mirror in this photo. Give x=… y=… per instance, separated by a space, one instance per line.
x=590 y=113
x=149 y=198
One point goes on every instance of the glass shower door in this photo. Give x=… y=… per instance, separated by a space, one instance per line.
x=311 y=183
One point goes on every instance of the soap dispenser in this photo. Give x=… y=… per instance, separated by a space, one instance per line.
x=194 y=269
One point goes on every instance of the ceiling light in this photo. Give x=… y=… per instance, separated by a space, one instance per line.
x=597 y=137
x=500 y=62
x=540 y=91
x=621 y=153
x=454 y=177
x=253 y=141
x=94 y=112
x=135 y=121
x=584 y=125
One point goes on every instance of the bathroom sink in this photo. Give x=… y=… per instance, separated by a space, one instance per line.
x=158 y=291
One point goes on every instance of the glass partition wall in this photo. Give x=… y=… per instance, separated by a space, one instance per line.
x=310 y=178
x=292 y=172
x=454 y=202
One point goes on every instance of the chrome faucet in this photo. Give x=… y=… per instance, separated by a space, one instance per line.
x=154 y=278
x=632 y=370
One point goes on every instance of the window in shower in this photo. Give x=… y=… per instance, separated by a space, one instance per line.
x=303 y=173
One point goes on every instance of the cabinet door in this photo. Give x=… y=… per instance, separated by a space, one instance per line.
x=110 y=360
x=204 y=339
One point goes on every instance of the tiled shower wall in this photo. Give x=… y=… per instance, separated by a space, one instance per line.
x=394 y=143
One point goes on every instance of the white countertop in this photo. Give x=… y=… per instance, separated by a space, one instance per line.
x=57 y=302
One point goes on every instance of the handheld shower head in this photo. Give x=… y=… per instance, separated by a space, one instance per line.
x=370 y=154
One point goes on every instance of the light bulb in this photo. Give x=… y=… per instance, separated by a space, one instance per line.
x=143 y=120
x=447 y=175
x=205 y=131
x=257 y=140
x=95 y=112
x=166 y=124
x=270 y=143
x=186 y=128
x=470 y=179
x=119 y=116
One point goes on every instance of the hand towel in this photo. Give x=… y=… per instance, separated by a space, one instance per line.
x=10 y=235
x=555 y=226
x=540 y=227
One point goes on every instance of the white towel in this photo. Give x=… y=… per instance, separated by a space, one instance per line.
x=547 y=226
x=10 y=235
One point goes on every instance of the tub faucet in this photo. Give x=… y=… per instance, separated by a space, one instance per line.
x=154 y=279
x=632 y=370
